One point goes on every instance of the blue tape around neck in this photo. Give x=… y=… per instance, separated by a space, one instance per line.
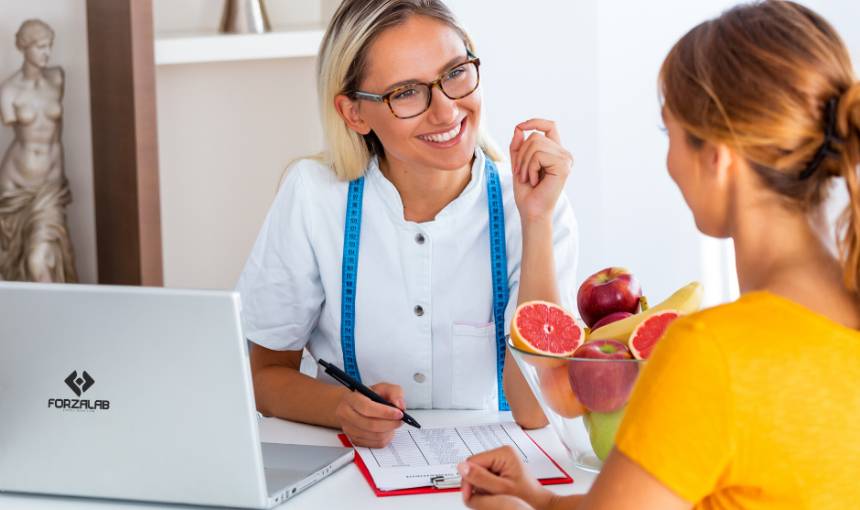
x=498 y=261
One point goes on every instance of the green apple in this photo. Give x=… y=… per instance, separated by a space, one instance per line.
x=601 y=429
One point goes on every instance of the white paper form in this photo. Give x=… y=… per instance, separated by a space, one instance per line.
x=416 y=455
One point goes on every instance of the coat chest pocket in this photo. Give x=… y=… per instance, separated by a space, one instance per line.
x=474 y=366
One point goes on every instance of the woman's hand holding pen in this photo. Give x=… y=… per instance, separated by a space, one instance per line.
x=497 y=479
x=368 y=423
x=540 y=166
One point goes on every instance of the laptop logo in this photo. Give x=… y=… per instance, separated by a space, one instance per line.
x=79 y=384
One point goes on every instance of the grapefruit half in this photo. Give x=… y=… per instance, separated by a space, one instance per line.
x=545 y=328
x=648 y=332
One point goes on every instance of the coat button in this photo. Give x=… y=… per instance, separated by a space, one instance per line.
x=419 y=377
x=419 y=238
x=419 y=310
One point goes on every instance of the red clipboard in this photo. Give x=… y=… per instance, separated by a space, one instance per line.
x=359 y=462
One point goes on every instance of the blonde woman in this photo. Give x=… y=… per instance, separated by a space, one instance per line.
x=400 y=254
x=753 y=404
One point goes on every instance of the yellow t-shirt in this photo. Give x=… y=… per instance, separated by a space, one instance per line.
x=753 y=404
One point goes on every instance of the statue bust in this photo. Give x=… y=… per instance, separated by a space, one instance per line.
x=34 y=192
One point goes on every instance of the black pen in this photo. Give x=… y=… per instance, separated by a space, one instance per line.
x=344 y=378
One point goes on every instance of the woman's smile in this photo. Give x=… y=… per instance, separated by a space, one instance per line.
x=446 y=138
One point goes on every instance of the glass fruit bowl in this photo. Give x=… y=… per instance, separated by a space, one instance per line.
x=584 y=399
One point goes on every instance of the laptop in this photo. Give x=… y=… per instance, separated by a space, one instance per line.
x=139 y=394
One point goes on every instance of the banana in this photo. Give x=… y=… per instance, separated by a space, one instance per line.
x=685 y=300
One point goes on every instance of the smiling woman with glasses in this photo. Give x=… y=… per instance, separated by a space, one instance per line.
x=400 y=253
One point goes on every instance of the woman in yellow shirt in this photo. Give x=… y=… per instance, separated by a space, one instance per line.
x=753 y=404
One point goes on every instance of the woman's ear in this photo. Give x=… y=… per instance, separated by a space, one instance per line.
x=717 y=161
x=348 y=111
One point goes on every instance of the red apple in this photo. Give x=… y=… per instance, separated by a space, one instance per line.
x=612 y=290
x=603 y=375
x=612 y=317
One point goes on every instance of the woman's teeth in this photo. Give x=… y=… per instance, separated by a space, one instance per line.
x=443 y=137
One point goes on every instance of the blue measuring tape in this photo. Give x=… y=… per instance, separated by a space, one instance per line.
x=349 y=274
x=498 y=261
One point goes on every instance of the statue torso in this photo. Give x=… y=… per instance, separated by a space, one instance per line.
x=36 y=153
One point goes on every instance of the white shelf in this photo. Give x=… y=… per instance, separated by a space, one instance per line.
x=192 y=48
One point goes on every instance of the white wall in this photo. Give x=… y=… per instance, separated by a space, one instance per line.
x=592 y=66
x=226 y=134
x=68 y=19
x=645 y=216
x=227 y=131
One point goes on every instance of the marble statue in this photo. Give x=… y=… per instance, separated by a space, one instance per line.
x=34 y=192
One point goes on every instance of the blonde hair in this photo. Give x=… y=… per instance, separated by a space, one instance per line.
x=31 y=32
x=759 y=78
x=342 y=64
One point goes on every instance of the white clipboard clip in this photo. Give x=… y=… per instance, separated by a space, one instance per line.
x=446 y=482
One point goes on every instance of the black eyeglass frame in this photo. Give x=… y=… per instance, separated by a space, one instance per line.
x=386 y=98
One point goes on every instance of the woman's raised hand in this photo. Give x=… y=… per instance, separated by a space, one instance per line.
x=540 y=166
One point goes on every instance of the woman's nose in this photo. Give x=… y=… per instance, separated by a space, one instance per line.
x=443 y=110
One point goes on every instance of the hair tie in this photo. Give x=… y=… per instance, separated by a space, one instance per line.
x=832 y=141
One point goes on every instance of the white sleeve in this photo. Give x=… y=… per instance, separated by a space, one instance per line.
x=566 y=250
x=280 y=286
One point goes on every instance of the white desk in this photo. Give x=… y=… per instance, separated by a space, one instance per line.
x=347 y=486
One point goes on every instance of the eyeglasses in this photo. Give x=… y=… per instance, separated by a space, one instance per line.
x=413 y=99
